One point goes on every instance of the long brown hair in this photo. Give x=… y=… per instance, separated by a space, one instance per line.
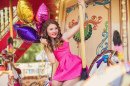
x=57 y=41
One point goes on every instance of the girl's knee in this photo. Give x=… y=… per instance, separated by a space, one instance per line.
x=56 y=83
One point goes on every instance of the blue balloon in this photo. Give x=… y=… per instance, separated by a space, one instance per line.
x=27 y=33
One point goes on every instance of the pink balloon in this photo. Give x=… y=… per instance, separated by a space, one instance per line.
x=42 y=13
x=38 y=26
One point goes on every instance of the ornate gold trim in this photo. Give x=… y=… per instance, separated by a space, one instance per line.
x=5 y=72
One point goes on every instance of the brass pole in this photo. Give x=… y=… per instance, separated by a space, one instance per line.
x=82 y=37
x=11 y=18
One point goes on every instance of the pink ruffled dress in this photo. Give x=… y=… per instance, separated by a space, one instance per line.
x=70 y=66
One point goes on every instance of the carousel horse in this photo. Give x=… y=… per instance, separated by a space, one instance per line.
x=106 y=58
x=8 y=58
x=110 y=57
x=101 y=61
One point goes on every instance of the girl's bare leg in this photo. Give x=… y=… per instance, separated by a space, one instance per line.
x=56 y=83
x=71 y=82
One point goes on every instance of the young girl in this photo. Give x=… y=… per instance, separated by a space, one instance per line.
x=57 y=48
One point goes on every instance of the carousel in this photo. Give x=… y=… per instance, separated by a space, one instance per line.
x=102 y=42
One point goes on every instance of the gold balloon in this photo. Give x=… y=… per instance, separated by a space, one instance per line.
x=25 y=12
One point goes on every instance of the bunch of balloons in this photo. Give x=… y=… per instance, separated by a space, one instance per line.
x=26 y=16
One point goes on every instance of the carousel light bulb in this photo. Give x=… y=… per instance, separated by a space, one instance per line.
x=124 y=35
x=56 y=17
x=123 y=19
x=124 y=43
x=123 y=10
x=124 y=27
x=57 y=5
x=57 y=11
x=123 y=2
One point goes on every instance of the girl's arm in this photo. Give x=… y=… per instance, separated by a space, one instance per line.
x=67 y=35
x=50 y=55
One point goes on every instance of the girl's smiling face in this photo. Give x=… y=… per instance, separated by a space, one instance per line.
x=52 y=31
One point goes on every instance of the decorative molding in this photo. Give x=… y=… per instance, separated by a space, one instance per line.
x=89 y=2
x=104 y=34
x=87 y=27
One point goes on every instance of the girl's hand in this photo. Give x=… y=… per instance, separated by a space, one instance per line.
x=43 y=41
x=81 y=2
x=67 y=35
